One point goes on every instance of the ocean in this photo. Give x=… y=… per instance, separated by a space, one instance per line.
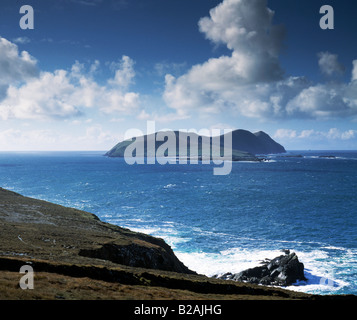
x=302 y=201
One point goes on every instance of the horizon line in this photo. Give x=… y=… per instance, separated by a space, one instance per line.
x=287 y=151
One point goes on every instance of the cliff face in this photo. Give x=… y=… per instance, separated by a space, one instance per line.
x=43 y=230
x=244 y=144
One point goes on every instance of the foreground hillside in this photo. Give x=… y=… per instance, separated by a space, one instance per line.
x=74 y=255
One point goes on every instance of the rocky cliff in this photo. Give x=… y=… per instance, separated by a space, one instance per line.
x=43 y=230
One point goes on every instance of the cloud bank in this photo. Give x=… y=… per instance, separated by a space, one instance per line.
x=332 y=134
x=251 y=80
x=27 y=93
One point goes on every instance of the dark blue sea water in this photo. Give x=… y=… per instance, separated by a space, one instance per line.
x=215 y=224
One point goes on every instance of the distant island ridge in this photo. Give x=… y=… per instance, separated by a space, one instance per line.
x=245 y=145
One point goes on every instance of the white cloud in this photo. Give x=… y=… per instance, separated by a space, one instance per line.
x=335 y=133
x=15 y=66
x=329 y=64
x=64 y=94
x=163 y=118
x=251 y=80
x=354 y=70
x=322 y=102
x=246 y=28
x=113 y=101
x=94 y=67
x=331 y=134
x=49 y=96
x=306 y=133
x=124 y=73
x=22 y=40
x=164 y=67
x=285 y=134
x=349 y=134
x=96 y=134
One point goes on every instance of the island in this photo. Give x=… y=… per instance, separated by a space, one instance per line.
x=245 y=145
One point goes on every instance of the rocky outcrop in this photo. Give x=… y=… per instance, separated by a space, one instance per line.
x=42 y=230
x=283 y=271
x=134 y=255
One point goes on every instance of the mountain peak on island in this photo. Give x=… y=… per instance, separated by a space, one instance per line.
x=255 y=143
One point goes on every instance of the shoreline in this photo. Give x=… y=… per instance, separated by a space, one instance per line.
x=65 y=243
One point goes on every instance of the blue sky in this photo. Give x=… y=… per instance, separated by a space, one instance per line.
x=90 y=70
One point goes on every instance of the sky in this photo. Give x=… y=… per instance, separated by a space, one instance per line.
x=90 y=70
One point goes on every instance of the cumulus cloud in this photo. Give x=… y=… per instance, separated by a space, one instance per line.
x=251 y=80
x=246 y=28
x=15 y=66
x=335 y=133
x=63 y=94
x=124 y=72
x=322 y=102
x=329 y=64
x=48 y=96
x=307 y=133
x=285 y=134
